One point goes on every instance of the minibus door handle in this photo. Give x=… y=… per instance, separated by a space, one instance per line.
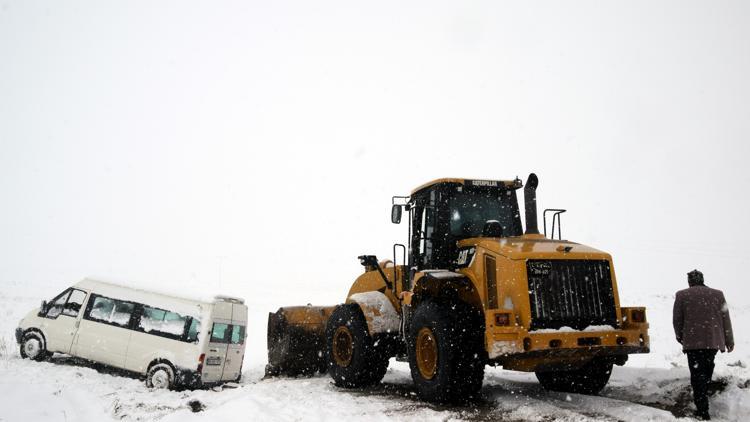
x=213 y=350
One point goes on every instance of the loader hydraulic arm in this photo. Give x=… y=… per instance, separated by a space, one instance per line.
x=372 y=261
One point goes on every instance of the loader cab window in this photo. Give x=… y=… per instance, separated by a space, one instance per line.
x=445 y=213
x=427 y=230
x=428 y=237
x=470 y=210
x=423 y=222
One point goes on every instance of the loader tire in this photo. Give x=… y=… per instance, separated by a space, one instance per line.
x=589 y=379
x=353 y=359
x=445 y=352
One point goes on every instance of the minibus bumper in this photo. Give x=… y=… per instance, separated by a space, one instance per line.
x=19 y=335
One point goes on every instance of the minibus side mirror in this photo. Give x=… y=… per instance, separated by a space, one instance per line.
x=396 y=214
x=43 y=308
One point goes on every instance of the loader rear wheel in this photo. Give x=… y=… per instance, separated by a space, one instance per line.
x=353 y=359
x=445 y=353
x=589 y=379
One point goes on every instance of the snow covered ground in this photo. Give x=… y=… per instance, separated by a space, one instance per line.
x=649 y=387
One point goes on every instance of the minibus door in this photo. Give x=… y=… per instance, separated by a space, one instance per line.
x=104 y=332
x=236 y=345
x=213 y=367
x=61 y=320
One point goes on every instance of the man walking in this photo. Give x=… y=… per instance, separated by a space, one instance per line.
x=702 y=325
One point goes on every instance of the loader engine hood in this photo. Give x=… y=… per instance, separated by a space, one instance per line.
x=535 y=246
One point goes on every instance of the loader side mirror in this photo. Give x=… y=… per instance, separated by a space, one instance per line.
x=396 y=214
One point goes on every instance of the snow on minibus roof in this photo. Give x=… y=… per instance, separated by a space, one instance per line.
x=147 y=295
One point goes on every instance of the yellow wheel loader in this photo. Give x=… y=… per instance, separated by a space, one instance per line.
x=471 y=289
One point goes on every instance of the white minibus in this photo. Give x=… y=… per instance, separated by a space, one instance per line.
x=173 y=341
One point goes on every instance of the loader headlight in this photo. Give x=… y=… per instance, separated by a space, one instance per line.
x=502 y=319
x=637 y=315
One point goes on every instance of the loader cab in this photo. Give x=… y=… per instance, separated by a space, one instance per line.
x=445 y=211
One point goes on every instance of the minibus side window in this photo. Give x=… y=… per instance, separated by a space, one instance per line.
x=238 y=334
x=122 y=312
x=104 y=309
x=160 y=322
x=55 y=308
x=101 y=309
x=219 y=333
x=194 y=330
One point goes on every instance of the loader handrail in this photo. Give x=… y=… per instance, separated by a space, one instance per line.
x=556 y=215
x=404 y=285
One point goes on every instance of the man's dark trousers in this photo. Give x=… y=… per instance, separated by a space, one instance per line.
x=701 y=364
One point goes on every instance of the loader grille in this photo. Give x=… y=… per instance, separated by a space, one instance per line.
x=570 y=293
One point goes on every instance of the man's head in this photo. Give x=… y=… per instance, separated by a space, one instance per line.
x=695 y=278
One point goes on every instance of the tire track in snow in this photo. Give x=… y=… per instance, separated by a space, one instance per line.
x=515 y=400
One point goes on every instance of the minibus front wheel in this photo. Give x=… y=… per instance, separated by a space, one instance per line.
x=33 y=346
x=160 y=376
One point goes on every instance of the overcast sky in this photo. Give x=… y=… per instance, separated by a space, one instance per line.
x=249 y=147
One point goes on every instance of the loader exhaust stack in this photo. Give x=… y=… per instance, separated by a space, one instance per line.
x=529 y=196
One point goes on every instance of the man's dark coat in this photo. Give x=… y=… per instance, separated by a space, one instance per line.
x=701 y=319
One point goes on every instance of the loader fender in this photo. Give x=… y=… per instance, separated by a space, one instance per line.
x=379 y=312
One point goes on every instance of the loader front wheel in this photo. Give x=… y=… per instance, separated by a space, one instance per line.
x=342 y=346
x=353 y=359
x=445 y=352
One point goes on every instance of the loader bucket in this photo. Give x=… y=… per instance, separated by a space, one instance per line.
x=296 y=340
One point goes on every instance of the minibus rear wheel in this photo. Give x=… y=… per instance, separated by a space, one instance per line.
x=33 y=347
x=160 y=376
